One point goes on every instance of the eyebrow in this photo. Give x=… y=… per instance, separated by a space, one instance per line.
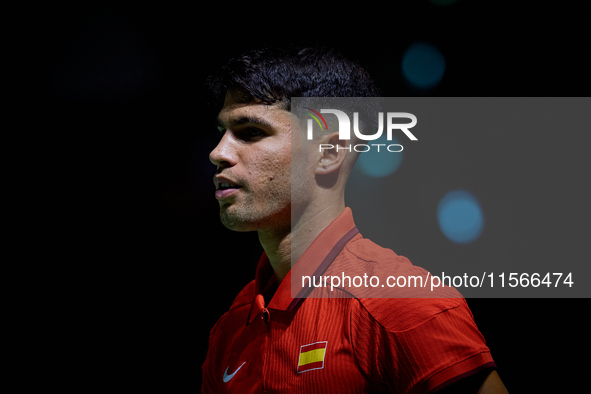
x=242 y=120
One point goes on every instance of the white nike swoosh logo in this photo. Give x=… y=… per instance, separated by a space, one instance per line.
x=227 y=377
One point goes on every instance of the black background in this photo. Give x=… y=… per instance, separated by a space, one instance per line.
x=122 y=185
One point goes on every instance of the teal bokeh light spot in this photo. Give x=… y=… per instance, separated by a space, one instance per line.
x=380 y=163
x=423 y=65
x=460 y=217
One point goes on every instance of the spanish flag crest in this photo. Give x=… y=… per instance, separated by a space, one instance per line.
x=312 y=356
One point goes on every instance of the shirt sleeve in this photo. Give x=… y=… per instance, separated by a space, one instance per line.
x=416 y=345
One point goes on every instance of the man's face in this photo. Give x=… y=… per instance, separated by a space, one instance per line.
x=253 y=160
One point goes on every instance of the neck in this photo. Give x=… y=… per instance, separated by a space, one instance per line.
x=287 y=245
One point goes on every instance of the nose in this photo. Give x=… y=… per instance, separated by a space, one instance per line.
x=224 y=154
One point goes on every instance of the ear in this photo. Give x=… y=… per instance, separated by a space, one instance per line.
x=332 y=154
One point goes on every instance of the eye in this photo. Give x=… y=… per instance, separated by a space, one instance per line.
x=250 y=134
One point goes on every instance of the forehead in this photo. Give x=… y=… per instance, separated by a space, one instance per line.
x=237 y=114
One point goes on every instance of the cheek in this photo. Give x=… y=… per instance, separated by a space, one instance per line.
x=271 y=169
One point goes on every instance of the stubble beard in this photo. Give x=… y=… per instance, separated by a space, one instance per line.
x=245 y=216
x=237 y=221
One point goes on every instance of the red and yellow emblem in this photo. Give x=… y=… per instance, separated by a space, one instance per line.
x=312 y=356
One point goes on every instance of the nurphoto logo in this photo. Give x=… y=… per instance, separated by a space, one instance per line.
x=345 y=129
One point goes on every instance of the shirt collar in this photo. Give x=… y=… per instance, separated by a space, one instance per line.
x=319 y=255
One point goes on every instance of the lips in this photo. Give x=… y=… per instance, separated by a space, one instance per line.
x=225 y=187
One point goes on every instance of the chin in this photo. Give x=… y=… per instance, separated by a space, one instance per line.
x=237 y=222
x=238 y=226
x=244 y=221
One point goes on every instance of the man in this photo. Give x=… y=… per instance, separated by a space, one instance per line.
x=271 y=341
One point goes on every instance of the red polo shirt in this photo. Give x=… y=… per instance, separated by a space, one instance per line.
x=271 y=342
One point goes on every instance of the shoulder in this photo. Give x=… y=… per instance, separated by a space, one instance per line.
x=364 y=249
x=387 y=275
x=404 y=314
x=407 y=298
x=363 y=253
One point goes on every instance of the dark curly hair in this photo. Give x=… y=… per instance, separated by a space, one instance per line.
x=272 y=75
